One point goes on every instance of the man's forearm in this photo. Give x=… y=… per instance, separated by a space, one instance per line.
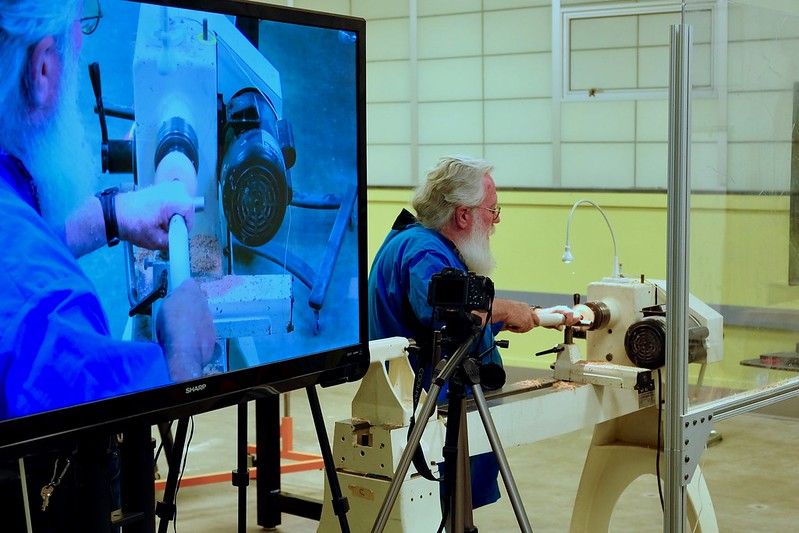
x=85 y=228
x=517 y=316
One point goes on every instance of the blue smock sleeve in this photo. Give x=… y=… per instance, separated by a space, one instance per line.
x=62 y=355
x=55 y=346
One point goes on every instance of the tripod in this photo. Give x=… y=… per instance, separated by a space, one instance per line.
x=468 y=372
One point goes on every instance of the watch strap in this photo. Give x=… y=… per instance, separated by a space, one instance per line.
x=108 y=202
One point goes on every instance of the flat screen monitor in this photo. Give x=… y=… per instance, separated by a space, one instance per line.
x=268 y=105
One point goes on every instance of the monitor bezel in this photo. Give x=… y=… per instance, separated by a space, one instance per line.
x=178 y=400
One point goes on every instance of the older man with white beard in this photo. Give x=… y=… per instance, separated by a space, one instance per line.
x=456 y=211
x=55 y=345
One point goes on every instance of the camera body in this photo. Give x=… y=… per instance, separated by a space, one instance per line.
x=454 y=289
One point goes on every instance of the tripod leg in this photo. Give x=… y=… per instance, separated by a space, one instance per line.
x=415 y=437
x=166 y=509
x=499 y=452
x=340 y=504
x=454 y=468
x=462 y=499
x=465 y=475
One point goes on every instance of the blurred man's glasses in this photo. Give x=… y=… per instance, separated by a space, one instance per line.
x=495 y=211
x=91 y=16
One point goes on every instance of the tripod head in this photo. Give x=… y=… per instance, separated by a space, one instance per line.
x=456 y=296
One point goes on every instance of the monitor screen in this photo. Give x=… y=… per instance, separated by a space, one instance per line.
x=266 y=106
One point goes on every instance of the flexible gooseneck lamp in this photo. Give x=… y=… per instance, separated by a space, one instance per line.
x=567 y=254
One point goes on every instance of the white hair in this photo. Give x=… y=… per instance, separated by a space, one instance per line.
x=54 y=150
x=453 y=182
x=23 y=23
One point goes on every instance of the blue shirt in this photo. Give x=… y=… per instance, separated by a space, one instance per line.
x=55 y=345
x=398 y=286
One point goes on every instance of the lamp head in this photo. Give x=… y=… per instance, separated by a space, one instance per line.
x=567 y=255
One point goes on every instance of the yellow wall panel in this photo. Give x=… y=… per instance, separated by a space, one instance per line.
x=726 y=265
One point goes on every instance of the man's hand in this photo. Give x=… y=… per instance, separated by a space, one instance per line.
x=186 y=331
x=143 y=215
x=570 y=318
x=517 y=316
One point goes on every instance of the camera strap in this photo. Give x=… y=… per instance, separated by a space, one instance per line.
x=424 y=354
x=423 y=361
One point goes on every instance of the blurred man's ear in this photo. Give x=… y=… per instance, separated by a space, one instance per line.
x=45 y=73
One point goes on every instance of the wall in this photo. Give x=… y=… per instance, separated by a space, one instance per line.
x=530 y=240
x=483 y=78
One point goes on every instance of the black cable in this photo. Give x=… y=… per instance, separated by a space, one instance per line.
x=657 y=455
x=443 y=522
x=182 y=470
x=160 y=446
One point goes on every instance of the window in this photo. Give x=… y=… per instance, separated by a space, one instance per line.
x=622 y=51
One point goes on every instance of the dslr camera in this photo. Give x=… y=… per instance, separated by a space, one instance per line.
x=455 y=290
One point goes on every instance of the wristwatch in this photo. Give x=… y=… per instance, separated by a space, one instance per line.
x=108 y=201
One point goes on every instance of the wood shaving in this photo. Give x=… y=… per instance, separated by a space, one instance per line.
x=220 y=287
x=564 y=385
x=530 y=383
x=206 y=255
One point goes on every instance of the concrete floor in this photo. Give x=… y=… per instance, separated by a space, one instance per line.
x=752 y=474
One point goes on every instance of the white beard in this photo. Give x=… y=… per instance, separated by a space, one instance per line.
x=476 y=249
x=59 y=157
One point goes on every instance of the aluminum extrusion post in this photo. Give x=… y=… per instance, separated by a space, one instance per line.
x=674 y=518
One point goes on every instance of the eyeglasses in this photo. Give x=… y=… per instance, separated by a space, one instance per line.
x=91 y=16
x=495 y=211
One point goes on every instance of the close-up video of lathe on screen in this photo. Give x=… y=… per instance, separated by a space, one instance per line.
x=261 y=121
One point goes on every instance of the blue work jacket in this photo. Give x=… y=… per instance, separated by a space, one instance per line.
x=55 y=346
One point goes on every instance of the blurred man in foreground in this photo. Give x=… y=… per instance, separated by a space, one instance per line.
x=55 y=345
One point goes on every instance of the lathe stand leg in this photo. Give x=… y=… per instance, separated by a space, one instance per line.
x=622 y=450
